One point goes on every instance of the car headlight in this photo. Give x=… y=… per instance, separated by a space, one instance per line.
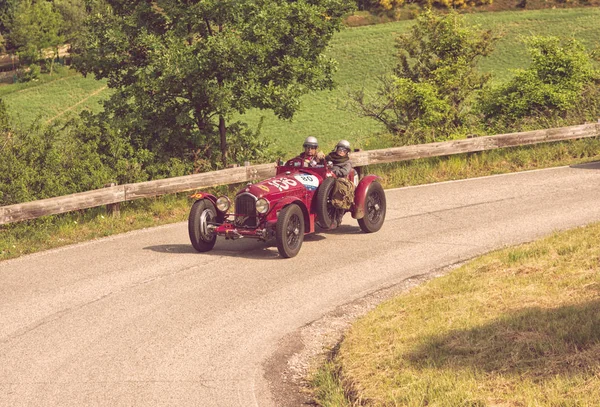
x=223 y=203
x=262 y=206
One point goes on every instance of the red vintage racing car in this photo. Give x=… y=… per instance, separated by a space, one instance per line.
x=285 y=207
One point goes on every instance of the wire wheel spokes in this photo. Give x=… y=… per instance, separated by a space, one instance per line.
x=293 y=231
x=374 y=207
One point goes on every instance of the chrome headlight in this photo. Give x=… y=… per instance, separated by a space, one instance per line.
x=223 y=203
x=262 y=206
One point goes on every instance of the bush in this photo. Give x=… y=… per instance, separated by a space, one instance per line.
x=38 y=163
x=28 y=74
x=560 y=80
x=428 y=96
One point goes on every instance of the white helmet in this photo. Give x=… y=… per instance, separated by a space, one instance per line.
x=343 y=144
x=310 y=142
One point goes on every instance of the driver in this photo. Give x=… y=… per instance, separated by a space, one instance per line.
x=311 y=157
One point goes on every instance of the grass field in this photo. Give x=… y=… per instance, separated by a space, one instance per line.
x=53 y=97
x=518 y=327
x=363 y=53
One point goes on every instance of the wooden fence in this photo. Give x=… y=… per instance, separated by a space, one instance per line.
x=128 y=192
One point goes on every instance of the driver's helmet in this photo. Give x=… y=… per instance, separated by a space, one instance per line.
x=311 y=142
x=343 y=145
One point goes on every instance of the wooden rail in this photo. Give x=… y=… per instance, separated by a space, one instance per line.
x=128 y=192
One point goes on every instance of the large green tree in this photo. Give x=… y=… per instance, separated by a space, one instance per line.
x=34 y=29
x=183 y=69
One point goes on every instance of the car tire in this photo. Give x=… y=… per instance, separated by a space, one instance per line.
x=375 y=207
x=202 y=213
x=290 y=231
x=326 y=213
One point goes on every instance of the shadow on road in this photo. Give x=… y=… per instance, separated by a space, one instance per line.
x=587 y=166
x=536 y=343
x=249 y=248
x=244 y=248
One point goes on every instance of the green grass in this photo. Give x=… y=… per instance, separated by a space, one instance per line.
x=517 y=327
x=363 y=53
x=53 y=96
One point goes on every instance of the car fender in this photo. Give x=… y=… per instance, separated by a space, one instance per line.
x=202 y=195
x=360 y=195
x=282 y=203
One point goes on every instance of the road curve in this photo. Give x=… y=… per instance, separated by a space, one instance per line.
x=140 y=319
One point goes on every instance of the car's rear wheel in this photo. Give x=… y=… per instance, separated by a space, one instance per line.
x=202 y=214
x=290 y=231
x=375 y=207
x=326 y=212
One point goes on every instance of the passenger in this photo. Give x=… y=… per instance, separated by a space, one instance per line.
x=342 y=194
x=311 y=157
x=340 y=160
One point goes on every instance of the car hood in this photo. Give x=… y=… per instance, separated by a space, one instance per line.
x=284 y=184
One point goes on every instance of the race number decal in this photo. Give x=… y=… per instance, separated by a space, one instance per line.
x=283 y=184
x=310 y=182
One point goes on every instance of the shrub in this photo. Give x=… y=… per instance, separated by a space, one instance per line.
x=561 y=78
x=38 y=163
x=429 y=93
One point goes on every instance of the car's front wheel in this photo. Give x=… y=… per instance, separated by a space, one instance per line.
x=374 y=209
x=202 y=214
x=290 y=231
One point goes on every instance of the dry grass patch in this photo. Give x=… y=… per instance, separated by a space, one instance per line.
x=518 y=327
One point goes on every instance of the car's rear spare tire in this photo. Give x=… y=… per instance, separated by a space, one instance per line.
x=326 y=212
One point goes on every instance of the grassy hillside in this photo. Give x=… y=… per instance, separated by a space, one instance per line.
x=54 y=96
x=517 y=327
x=363 y=53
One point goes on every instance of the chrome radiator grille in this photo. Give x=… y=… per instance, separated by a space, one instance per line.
x=245 y=209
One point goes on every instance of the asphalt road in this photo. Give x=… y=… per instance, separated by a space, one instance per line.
x=140 y=319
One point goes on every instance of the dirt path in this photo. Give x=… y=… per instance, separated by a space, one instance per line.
x=76 y=104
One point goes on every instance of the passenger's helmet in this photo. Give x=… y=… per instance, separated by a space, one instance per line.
x=343 y=144
x=311 y=142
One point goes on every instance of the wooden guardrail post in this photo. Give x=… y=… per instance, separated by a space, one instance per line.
x=113 y=209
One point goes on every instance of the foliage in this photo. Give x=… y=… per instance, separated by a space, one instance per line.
x=28 y=74
x=35 y=28
x=7 y=8
x=38 y=163
x=183 y=70
x=434 y=81
x=73 y=14
x=386 y=5
x=561 y=77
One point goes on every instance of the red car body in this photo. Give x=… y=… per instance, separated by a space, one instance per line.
x=295 y=188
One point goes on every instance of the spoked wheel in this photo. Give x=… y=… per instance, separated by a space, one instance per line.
x=374 y=209
x=203 y=213
x=326 y=212
x=290 y=231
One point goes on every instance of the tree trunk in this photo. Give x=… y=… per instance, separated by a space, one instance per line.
x=223 y=134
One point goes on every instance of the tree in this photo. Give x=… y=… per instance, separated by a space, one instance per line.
x=184 y=69
x=560 y=77
x=34 y=29
x=73 y=14
x=435 y=79
x=7 y=8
